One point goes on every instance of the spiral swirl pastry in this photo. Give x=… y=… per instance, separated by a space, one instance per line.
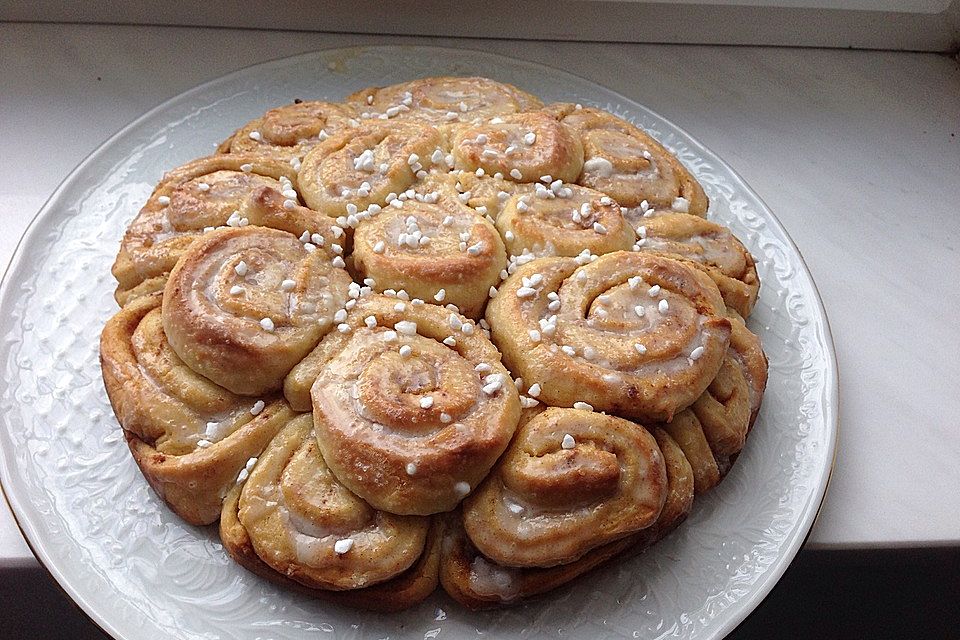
x=479 y=582
x=710 y=245
x=583 y=220
x=288 y=132
x=189 y=436
x=434 y=248
x=688 y=433
x=443 y=100
x=244 y=305
x=713 y=430
x=411 y=404
x=486 y=194
x=747 y=353
x=395 y=594
x=637 y=335
x=525 y=147
x=570 y=481
x=305 y=525
x=195 y=197
x=369 y=165
x=726 y=410
x=627 y=164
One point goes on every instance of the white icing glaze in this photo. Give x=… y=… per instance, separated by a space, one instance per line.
x=488 y=579
x=599 y=166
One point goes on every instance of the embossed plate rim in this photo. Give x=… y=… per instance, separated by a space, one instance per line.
x=30 y=520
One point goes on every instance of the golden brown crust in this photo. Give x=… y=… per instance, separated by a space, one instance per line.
x=712 y=247
x=434 y=248
x=525 y=147
x=723 y=410
x=577 y=331
x=686 y=431
x=288 y=132
x=726 y=410
x=224 y=147
x=306 y=525
x=479 y=583
x=146 y=288
x=626 y=163
x=399 y=592
x=189 y=437
x=199 y=195
x=577 y=220
x=680 y=491
x=243 y=306
x=714 y=429
x=747 y=352
x=367 y=166
x=408 y=422
x=570 y=481
x=443 y=100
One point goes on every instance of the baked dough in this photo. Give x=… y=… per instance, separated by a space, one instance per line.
x=435 y=334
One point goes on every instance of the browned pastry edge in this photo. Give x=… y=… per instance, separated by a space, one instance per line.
x=409 y=588
x=224 y=147
x=749 y=353
x=739 y=295
x=132 y=275
x=686 y=431
x=192 y=485
x=146 y=288
x=458 y=552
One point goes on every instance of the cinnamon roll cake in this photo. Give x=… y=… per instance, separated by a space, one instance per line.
x=438 y=334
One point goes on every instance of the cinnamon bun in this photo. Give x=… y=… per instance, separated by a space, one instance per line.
x=727 y=408
x=190 y=200
x=746 y=350
x=627 y=164
x=478 y=582
x=443 y=100
x=525 y=147
x=189 y=436
x=714 y=429
x=411 y=404
x=244 y=305
x=288 y=132
x=368 y=166
x=637 y=335
x=713 y=247
x=687 y=432
x=290 y=520
x=432 y=247
x=570 y=481
x=581 y=219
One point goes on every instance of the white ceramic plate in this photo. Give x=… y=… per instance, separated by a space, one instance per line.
x=140 y=572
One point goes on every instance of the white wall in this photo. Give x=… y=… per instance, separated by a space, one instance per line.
x=919 y=25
